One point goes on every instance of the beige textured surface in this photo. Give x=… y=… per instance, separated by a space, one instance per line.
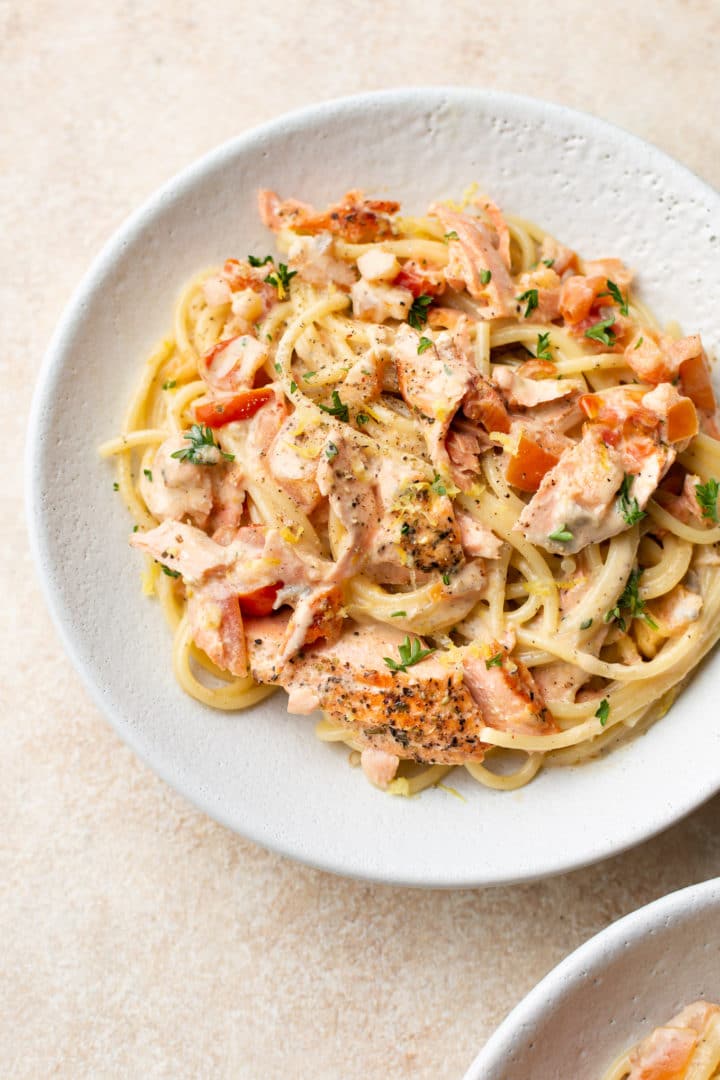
x=139 y=939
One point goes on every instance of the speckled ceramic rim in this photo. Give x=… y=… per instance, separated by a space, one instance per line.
x=343 y=861
x=524 y=1025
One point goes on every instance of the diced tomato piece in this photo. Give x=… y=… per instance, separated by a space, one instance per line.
x=238 y=407
x=696 y=382
x=412 y=279
x=529 y=464
x=260 y=602
x=682 y=421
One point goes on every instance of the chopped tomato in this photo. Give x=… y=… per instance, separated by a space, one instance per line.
x=682 y=421
x=410 y=277
x=529 y=464
x=260 y=602
x=696 y=382
x=238 y=407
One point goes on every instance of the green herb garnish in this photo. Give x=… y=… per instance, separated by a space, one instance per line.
x=399 y=615
x=549 y=263
x=281 y=280
x=446 y=579
x=411 y=652
x=494 y=661
x=452 y=235
x=203 y=450
x=309 y=375
x=293 y=387
x=116 y=486
x=338 y=408
x=629 y=507
x=602 y=332
x=404 y=528
x=331 y=451
x=530 y=297
x=586 y=624
x=148 y=473
x=438 y=485
x=423 y=345
x=542 y=351
x=170 y=384
x=362 y=418
x=169 y=572
x=562 y=535
x=631 y=602
x=707 y=496
x=418 y=313
x=255 y=260
x=603 y=711
x=486 y=277
x=617 y=296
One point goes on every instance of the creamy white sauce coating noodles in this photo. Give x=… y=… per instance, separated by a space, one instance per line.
x=687 y=1047
x=439 y=477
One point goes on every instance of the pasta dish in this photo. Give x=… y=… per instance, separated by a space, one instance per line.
x=438 y=477
x=686 y=1048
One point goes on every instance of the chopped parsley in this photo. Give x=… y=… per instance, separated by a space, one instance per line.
x=629 y=507
x=362 y=418
x=446 y=579
x=399 y=615
x=639 y=342
x=438 y=485
x=603 y=711
x=170 y=384
x=309 y=375
x=630 y=602
x=494 y=661
x=169 y=572
x=707 y=496
x=338 y=408
x=530 y=297
x=561 y=535
x=203 y=450
x=116 y=486
x=452 y=235
x=586 y=624
x=549 y=263
x=486 y=277
x=617 y=296
x=331 y=451
x=542 y=352
x=255 y=260
x=411 y=652
x=418 y=313
x=423 y=345
x=281 y=280
x=278 y=367
x=148 y=473
x=293 y=387
x=135 y=528
x=404 y=528
x=602 y=331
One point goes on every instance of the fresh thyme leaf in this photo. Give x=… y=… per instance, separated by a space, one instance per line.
x=485 y=277
x=148 y=473
x=620 y=300
x=603 y=711
x=438 y=485
x=586 y=624
x=255 y=260
x=630 y=602
x=418 y=313
x=170 y=384
x=169 y=572
x=331 y=451
x=530 y=297
x=411 y=652
x=423 y=345
x=203 y=450
x=494 y=661
x=629 y=507
x=338 y=408
x=707 y=496
x=281 y=280
x=542 y=351
x=562 y=535
x=602 y=331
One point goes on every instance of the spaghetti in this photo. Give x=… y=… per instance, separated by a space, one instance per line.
x=437 y=476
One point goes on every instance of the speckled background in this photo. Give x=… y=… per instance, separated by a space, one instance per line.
x=138 y=938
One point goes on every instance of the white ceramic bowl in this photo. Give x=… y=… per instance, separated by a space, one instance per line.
x=611 y=992
x=264 y=773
